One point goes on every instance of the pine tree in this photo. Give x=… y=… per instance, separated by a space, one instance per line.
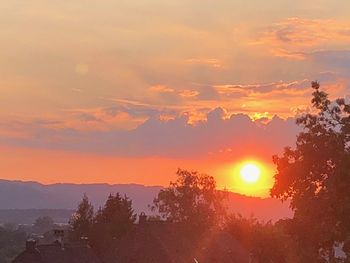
x=112 y=221
x=82 y=220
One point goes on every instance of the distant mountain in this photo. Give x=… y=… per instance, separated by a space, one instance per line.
x=33 y=195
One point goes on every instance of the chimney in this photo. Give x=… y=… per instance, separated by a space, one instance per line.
x=142 y=219
x=85 y=241
x=31 y=245
x=58 y=234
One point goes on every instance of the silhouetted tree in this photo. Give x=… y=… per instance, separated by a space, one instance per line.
x=82 y=220
x=112 y=221
x=192 y=199
x=43 y=224
x=266 y=242
x=315 y=176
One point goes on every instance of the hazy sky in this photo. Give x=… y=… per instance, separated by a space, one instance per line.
x=127 y=91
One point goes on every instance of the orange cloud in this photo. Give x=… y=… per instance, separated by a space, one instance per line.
x=254 y=100
x=189 y=93
x=212 y=62
x=289 y=55
x=161 y=88
x=295 y=37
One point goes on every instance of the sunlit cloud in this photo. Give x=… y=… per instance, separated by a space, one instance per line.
x=289 y=55
x=296 y=38
x=156 y=136
x=189 y=93
x=212 y=62
x=161 y=88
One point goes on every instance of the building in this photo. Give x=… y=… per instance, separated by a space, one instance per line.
x=56 y=253
x=152 y=241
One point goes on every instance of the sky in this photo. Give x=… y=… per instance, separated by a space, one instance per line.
x=130 y=91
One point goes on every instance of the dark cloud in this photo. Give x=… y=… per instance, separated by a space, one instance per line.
x=173 y=138
x=88 y=117
x=138 y=109
x=132 y=110
x=207 y=92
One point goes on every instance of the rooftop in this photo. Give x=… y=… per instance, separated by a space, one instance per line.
x=56 y=253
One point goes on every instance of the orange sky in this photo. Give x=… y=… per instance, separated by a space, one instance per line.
x=59 y=166
x=128 y=91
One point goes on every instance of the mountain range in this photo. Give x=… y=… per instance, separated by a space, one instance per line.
x=18 y=195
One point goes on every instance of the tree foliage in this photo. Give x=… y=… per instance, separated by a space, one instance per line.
x=112 y=221
x=192 y=198
x=267 y=242
x=315 y=177
x=105 y=226
x=82 y=220
x=43 y=224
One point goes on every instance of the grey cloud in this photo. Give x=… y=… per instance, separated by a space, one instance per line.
x=138 y=110
x=207 y=92
x=216 y=115
x=233 y=91
x=134 y=110
x=87 y=117
x=46 y=122
x=174 y=138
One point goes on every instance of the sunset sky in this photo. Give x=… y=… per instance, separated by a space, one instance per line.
x=129 y=91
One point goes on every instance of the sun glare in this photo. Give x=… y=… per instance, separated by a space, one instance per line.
x=250 y=176
x=250 y=173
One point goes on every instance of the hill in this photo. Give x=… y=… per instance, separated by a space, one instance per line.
x=21 y=196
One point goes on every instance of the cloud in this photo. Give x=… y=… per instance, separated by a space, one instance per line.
x=87 y=117
x=254 y=99
x=196 y=104
x=174 y=138
x=207 y=92
x=268 y=90
x=139 y=109
x=307 y=32
x=289 y=54
x=296 y=38
x=212 y=62
x=189 y=93
x=161 y=89
x=335 y=59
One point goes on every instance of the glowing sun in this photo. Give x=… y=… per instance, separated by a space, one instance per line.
x=250 y=173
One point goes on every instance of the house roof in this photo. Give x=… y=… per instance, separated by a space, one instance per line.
x=55 y=253
x=150 y=242
x=166 y=243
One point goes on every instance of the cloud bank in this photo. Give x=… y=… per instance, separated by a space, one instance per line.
x=219 y=135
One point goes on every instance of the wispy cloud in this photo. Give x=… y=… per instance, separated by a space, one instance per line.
x=161 y=89
x=212 y=62
x=295 y=38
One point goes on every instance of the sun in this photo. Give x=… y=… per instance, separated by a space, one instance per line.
x=250 y=176
x=250 y=173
